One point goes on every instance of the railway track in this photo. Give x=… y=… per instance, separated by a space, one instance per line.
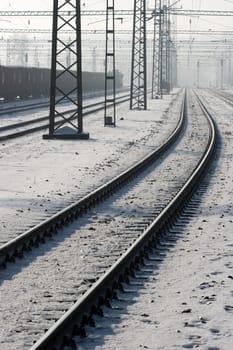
x=223 y=95
x=22 y=107
x=25 y=127
x=27 y=104
x=56 y=193
x=23 y=242
x=119 y=233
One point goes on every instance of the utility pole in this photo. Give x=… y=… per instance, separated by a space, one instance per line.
x=66 y=74
x=94 y=59
x=68 y=55
x=229 y=67
x=36 y=57
x=198 y=74
x=110 y=69
x=8 y=53
x=221 y=63
x=166 y=47
x=138 y=91
x=168 y=50
x=173 y=65
x=157 y=53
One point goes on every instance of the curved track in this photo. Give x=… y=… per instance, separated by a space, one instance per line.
x=73 y=323
x=119 y=232
x=25 y=241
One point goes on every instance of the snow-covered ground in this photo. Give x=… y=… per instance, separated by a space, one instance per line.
x=39 y=176
x=187 y=302
x=33 y=289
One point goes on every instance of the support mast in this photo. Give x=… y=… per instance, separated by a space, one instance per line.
x=138 y=91
x=157 y=53
x=66 y=74
x=110 y=68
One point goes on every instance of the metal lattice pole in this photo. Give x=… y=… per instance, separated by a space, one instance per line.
x=221 y=81
x=157 y=53
x=66 y=74
x=166 y=47
x=110 y=68
x=138 y=91
x=198 y=74
x=173 y=66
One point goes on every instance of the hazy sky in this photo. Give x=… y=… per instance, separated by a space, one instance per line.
x=47 y=4
x=219 y=23
x=209 y=23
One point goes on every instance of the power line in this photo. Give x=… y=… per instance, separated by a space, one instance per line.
x=173 y=11
x=119 y=32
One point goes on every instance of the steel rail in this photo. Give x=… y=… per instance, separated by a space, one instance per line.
x=15 y=247
x=226 y=97
x=24 y=107
x=75 y=319
x=42 y=105
x=121 y=99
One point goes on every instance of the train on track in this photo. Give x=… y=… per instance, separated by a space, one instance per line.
x=31 y=82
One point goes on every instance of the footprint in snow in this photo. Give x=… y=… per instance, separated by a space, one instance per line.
x=228 y=308
x=215 y=331
x=193 y=345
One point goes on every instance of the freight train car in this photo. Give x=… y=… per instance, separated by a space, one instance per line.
x=26 y=82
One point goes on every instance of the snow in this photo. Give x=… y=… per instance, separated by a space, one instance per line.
x=26 y=305
x=195 y=274
x=39 y=176
x=188 y=301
